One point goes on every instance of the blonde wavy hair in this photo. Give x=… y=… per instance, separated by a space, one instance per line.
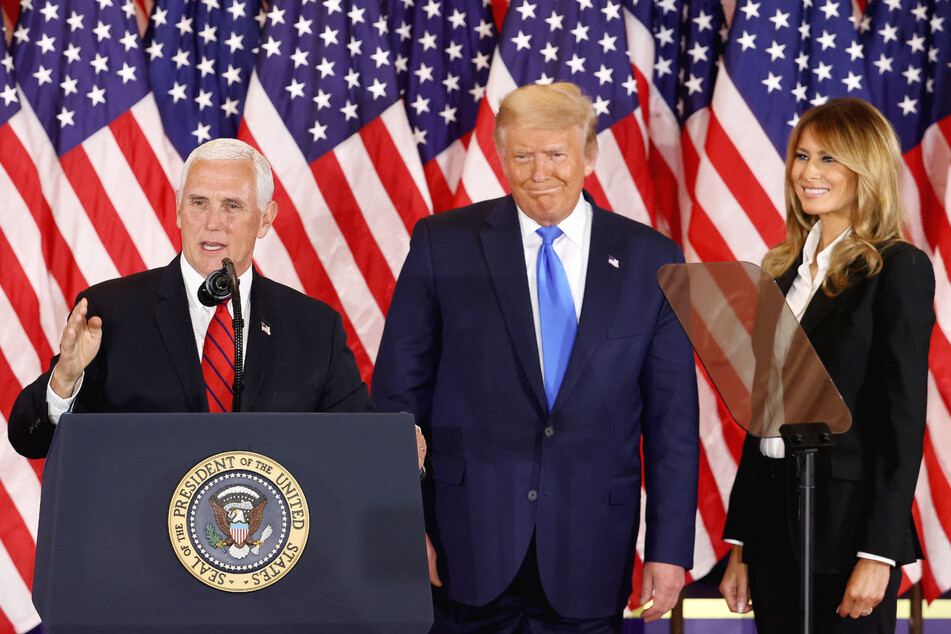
x=860 y=138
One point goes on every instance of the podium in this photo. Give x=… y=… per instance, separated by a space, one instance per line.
x=105 y=558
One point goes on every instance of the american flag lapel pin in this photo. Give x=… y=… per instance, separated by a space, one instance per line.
x=613 y=261
x=266 y=328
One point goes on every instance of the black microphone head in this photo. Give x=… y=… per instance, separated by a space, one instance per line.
x=216 y=289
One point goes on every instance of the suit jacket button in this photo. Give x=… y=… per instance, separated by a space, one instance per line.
x=533 y=495
x=549 y=431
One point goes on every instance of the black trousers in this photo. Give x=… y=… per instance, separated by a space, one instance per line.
x=522 y=608
x=774 y=575
x=774 y=589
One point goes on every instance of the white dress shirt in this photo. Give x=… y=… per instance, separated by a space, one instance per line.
x=201 y=315
x=572 y=248
x=801 y=292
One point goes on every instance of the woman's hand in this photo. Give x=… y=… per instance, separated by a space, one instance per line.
x=865 y=589
x=735 y=586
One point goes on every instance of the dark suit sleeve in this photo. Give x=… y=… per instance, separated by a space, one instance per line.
x=405 y=370
x=671 y=441
x=903 y=315
x=344 y=390
x=30 y=430
x=742 y=506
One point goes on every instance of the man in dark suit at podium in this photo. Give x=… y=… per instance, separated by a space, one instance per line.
x=144 y=343
x=530 y=338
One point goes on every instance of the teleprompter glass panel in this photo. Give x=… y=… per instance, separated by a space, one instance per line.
x=751 y=345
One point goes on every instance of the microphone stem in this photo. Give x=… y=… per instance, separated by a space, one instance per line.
x=238 y=323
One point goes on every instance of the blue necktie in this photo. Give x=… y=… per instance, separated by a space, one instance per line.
x=556 y=312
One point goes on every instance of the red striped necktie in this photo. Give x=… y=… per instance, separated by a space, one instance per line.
x=217 y=361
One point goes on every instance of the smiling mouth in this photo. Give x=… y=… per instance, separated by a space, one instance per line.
x=815 y=191
x=212 y=246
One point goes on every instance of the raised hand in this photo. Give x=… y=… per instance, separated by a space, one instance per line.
x=78 y=347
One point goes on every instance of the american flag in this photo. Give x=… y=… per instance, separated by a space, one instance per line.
x=27 y=302
x=701 y=42
x=442 y=55
x=89 y=198
x=201 y=56
x=907 y=53
x=372 y=120
x=781 y=59
x=96 y=132
x=324 y=107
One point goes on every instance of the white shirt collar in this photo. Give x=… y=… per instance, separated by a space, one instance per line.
x=572 y=226
x=812 y=243
x=193 y=281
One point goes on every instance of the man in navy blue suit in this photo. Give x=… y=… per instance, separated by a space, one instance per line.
x=534 y=419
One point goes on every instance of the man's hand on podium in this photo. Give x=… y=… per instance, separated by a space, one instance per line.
x=420 y=448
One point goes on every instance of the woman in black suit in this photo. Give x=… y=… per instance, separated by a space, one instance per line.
x=864 y=297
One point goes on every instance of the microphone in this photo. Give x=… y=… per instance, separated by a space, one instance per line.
x=217 y=287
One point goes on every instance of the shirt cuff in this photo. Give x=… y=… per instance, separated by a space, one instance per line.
x=772 y=447
x=884 y=560
x=56 y=406
x=735 y=542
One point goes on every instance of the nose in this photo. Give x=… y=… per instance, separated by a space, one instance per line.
x=812 y=170
x=540 y=169
x=213 y=217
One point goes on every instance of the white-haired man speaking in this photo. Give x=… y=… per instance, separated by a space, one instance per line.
x=145 y=343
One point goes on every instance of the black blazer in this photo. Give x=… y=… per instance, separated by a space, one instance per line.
x=297 y=357
x=873 y=339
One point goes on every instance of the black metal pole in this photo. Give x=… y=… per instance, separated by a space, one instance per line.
x=804 y=440
x=807 y=490
x=237 y=387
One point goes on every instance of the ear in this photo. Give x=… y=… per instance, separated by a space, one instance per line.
x=178 y=208
x=590 y=159
x=267 y=218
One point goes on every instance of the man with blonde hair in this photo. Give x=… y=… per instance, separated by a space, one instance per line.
x=145 y=343
x=529 y=337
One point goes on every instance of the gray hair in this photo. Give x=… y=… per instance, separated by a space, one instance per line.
x=233 y=150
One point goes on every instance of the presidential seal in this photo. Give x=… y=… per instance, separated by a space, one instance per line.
x=238 y=521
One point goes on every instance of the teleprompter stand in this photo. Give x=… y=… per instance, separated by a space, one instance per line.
x=766 y=371
x=805 y=439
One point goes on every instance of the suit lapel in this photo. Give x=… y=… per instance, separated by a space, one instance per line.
x=785 y=280
x=820 y=305
x=505 y=258
x=601 y=291
x=257 y=332
x=174 y=325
